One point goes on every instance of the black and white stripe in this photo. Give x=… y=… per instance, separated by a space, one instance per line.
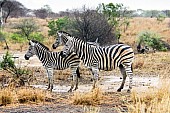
x=53 y=60
x=101 y=58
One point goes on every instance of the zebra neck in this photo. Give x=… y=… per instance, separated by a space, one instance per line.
x=42 y=54
x=84 y=51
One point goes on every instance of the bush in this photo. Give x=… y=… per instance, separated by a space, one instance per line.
x=7 y=61
x=152 y=40
x=17 y=38
x=37 y=36
x=19 y=75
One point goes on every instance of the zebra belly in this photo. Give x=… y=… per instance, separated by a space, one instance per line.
x=60 y=68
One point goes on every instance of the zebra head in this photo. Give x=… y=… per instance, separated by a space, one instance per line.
x=59 y=40
x=31 y=50
x=68 y=48
x=63 y=38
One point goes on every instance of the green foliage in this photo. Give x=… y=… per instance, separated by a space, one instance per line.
x=117 y=15
x=17 y=38
x=7 y=61
x=160 y=18
x=56 y=25
x=37 y=36
x=19 y=75
x=152 y=40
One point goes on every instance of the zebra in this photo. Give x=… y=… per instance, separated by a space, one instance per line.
x=53 y=60
x=100 y=58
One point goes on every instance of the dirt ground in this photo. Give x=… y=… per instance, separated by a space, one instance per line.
x=113 y=102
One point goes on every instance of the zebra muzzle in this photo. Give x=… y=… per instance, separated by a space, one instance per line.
x=26 y=57
x=54 y=46
x=62 y=54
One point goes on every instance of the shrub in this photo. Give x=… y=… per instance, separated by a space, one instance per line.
x=19 y=75
x=26 y=27
x=152 y=40
x=7 y=61
x=37 y=36
x=17 y=38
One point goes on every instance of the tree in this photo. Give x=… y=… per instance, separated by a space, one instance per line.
x=41 y=13
x=11 y=6
x=56 y=25
x=117 y=16
x=85 y=24
x=26 y=27
x=90 y=25
x=48 y=9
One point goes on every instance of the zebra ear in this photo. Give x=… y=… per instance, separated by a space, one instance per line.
x=69 y=38
x=59 y=34
x=96 y=40
x=32 y=43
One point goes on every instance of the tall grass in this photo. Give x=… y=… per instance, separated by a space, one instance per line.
x=152 y=101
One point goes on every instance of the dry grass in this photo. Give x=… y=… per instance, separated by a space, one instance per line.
x=26 y=95
x=93 y=97
x=140 y=24
x=6 y=96
x=62 y=74
x=22 y=95
x=153 y=64
x=152 y=101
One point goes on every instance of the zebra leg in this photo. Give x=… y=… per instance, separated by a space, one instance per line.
x=95 y=77
x=52 y=81
x=50 y=78
x=77 y=79
x=73 y=80
x=129 y=72
x=123 y=72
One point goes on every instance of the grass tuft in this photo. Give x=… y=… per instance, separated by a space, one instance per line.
x=26 y=95
x=6 y=96
x=90 y=98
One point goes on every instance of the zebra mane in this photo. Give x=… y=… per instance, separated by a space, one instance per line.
x=40 y=44
x=90 y=43
x=64 y=32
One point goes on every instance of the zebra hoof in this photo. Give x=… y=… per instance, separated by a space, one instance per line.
x=69 y=90
x=119 y=90
x=75 y=89
x=128 y=91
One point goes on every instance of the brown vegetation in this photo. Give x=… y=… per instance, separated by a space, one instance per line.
x=22 y=95
x=155 y=100
x=90 y=98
